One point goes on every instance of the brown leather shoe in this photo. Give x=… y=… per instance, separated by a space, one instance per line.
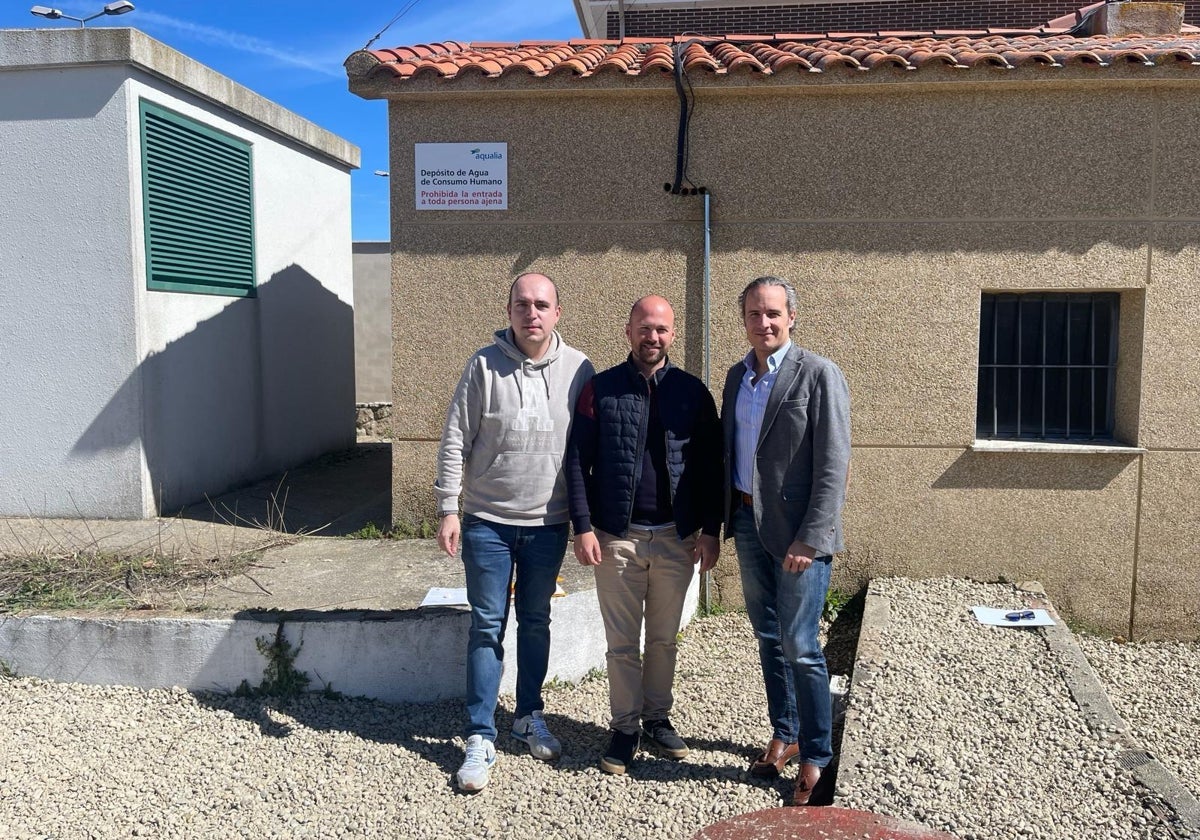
x=806 y=781
x=774 y=758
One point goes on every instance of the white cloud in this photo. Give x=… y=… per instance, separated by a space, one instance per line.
x=241 y=42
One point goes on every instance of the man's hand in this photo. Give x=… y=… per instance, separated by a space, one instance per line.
x=448 y=533
x=799 y=557
x=587 y=549
x=706 y=551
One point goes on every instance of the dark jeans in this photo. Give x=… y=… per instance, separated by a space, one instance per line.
x=491 y=554
x=785 y=612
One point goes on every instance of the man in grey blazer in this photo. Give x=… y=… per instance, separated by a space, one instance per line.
x=786 y=417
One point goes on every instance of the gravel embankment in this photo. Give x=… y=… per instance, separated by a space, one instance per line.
x=967 y=729
x=971 y=729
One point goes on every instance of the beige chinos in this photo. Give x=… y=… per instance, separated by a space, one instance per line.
x=643 y=575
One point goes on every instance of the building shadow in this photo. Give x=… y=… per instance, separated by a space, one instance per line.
x=265 y=384
x=1032 y=471
x=334 y=495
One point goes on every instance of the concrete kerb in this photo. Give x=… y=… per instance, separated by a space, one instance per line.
x=1103 y=720
x=412 y=656
x=1082 y=682
x=875 y=618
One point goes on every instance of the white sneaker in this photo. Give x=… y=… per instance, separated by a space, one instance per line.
x=533 y=731
x=481 y=755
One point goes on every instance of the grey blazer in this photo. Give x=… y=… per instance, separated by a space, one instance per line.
x=803 y=458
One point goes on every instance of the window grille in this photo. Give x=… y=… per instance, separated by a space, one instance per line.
x=1047 y=366
x=198 y=206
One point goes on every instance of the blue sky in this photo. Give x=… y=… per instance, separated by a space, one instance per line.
x=292 y=53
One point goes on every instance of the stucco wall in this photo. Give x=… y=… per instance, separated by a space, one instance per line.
x=122 y=402
x=892 y=206
x=372 y=322
x=236 y=388
x=68 y=334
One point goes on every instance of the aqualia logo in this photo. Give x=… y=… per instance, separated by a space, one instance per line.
x=478 y=155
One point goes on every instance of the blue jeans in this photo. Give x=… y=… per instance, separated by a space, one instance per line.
x=491 y=553
x=785 y=612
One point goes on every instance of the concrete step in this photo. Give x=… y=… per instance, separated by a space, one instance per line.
x=348 y=609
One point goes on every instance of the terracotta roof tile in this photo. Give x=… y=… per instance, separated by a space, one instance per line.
x=761 y=56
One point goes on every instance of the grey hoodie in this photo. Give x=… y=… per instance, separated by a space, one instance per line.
x=506 y=432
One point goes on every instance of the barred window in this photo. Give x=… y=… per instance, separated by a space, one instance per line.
x=1047 y=366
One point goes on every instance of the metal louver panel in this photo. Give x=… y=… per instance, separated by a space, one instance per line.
x=198 y=206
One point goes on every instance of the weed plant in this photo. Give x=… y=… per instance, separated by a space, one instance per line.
x=91 y=579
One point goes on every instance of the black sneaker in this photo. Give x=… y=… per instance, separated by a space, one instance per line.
x=620 y=752
x=664 y=736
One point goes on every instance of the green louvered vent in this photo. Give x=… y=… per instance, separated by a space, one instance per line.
x=198 y=206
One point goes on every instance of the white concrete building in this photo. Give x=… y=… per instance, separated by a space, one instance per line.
x=176 y=308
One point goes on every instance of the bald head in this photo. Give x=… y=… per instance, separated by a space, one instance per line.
x=649 y=304
x=651 y=330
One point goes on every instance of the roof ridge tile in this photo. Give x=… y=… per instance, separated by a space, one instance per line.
x=770 y=55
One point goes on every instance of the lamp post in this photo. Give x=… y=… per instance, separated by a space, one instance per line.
x=120 y=7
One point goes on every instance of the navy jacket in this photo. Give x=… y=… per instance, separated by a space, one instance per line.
x=608 y=436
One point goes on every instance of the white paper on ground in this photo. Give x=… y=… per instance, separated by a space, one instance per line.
x=446 y=596
x=991 y=615
x=443 y=596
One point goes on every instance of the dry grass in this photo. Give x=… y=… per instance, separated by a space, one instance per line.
x=61 y=571
x=50 y=580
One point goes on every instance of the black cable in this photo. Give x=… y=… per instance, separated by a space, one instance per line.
x=681 y=137
x=687 y=107
x=687 y=145
x=399 y=15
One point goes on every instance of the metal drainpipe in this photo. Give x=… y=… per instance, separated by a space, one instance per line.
x=705 y=579
x=707 y=287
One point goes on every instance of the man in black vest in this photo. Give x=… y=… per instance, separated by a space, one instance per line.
x=644 y=480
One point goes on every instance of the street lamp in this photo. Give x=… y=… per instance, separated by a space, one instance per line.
x=120 y=7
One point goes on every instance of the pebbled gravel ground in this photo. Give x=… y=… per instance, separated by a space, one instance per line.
x=971 y=729
x=99 y=762
x=968 y=729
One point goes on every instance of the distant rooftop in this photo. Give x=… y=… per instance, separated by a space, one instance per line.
x=665 y=18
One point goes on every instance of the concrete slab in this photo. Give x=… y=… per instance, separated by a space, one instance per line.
x=321 y=574
x=349 y=606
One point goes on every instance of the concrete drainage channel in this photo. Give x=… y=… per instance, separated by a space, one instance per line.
x=1064 y=656
x=1103 y=720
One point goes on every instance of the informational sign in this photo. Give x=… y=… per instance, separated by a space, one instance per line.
x=461 y=176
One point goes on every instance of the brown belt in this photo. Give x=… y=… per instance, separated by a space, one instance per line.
x=747 y=500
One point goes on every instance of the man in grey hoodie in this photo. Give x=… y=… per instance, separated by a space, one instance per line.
x=502 y=453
